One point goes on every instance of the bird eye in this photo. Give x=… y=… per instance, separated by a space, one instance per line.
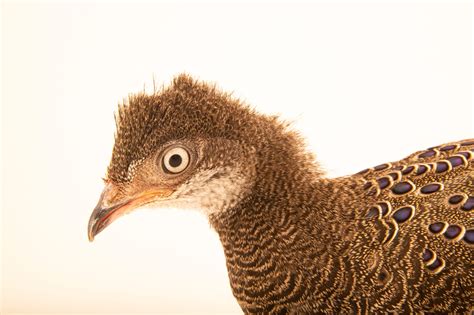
x=175 y=160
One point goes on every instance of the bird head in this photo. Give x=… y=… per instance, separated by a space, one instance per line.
x=188 y=145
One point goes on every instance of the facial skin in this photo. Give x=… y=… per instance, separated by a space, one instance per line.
x=211 y=175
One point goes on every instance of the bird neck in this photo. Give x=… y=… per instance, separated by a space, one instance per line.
x=273 y=235
x=276 y=215
x=284 y=229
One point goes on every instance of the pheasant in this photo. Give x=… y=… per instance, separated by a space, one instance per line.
x=397 y=237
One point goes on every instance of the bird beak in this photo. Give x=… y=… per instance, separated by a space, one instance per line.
x=105 y=213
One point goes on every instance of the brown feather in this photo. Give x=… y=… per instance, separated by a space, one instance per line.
x=393 y=238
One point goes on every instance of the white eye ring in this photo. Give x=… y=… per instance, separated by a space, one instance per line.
x=175 y=160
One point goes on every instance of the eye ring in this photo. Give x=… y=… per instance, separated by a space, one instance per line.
x=175 y=160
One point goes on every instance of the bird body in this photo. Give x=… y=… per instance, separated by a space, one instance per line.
x=359 y=244
x=397 y=237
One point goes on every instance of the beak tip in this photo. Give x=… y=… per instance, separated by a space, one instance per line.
x=92 y=229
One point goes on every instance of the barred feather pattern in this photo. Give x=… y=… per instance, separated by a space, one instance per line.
x=397 y=237
x=358 y=244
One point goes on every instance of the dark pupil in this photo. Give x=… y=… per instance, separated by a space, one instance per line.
x=175 y=160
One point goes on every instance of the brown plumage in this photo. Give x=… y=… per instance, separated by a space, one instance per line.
x=397 y=237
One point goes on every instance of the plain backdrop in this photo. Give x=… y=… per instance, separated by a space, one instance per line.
x=364 y=83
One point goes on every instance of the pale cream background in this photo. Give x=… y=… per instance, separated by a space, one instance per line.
x=365 y=83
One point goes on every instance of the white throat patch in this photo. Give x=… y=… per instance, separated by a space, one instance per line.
x=212 y=191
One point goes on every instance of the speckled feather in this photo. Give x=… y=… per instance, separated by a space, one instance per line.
x=393 y=238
